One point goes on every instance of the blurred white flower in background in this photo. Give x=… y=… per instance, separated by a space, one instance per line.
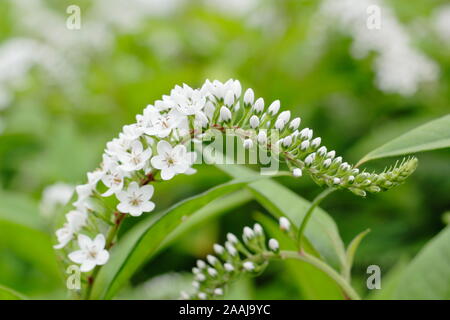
x=441 y=22
x=55 y=195
x=399 y=67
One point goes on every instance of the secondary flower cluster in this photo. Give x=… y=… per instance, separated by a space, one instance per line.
x=155 y=148
x=233 y=259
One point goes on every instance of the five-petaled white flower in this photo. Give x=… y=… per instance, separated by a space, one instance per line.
x=136 y=158
x=91 y=253
x=172 y=160
x=135 y=200
x=75 y=221
x=159 y=124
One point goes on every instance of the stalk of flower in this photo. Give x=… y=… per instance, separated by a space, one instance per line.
x=155 y=148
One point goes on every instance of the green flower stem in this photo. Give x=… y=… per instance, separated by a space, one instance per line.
x=308 y=214
x=319 y=264
x=112 y=233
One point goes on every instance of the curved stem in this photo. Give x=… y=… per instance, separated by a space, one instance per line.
x=112 y=233
x=319 y=264
x=308 y=214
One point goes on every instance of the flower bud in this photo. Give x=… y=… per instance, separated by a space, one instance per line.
x=331 y=154
x=336 y=181
x=274 y=245
x=316 y=143
x=295 y=123
x=304 y=145
x=218 y=249
x=211 y=259
x=310 y=158
x=202 y=296
x=274 y=107
x=237 y=88
x=218 y=292
x=285 y=225
x=212 y=272
x=285 y=116
x=287 y=141
x=297 y=172
x=232 y=238
x=248 y=143
x=258 y=107
x=248 y=233
x=249 y=96
x=201 y=264
x=231 y=249
x=225 y=114
x=258 y=229
x=254 y=122
x=279 y=124
x=228 y=267
x=262 y=137
x=248 y=265
x=229 y=99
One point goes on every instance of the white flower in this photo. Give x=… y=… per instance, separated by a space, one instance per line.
x=304 y=145
x=274 y=245
x=172 y=160
x=285 y=225
x=331 y=154
x=159 y=124
x=91 y=253
x=55 y=195
x=212 y=272
x=201 y=264
x=135 y=200
x=136 y=158
x=132 y=131
x=64 y=235
x=336 y=181
x=232 y=238
x=287 y=141
x=189 y=102
x=113 y=179
x=225 y=114
x=322 y=151
x=297 y=172
x=211 y=259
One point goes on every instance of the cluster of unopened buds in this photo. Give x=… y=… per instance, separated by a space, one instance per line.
x=157 y=148
x=233 y=259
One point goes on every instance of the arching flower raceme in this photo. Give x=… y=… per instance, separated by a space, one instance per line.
x=135 y=200
x=91 y=253
x=155 y=148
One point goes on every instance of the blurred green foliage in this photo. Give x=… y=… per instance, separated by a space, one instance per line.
x=56 y=131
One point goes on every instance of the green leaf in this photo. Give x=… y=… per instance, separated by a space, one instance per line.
x=9 y=294
x=20 y=209
x=351 y=251
x=144 y=240
x=429 y=136
x=428 y=274
x=312 y=283
x=321 y=232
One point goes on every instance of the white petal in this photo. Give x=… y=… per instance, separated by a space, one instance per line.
x=148 y=206
x=99 y=241
x=123 y=207
x=102 y=257
x=147 y=191
x=158 y=163
x=163 y=147
x=84 y=241
x=78 y=256
x=87 y=265
x=167 y=174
